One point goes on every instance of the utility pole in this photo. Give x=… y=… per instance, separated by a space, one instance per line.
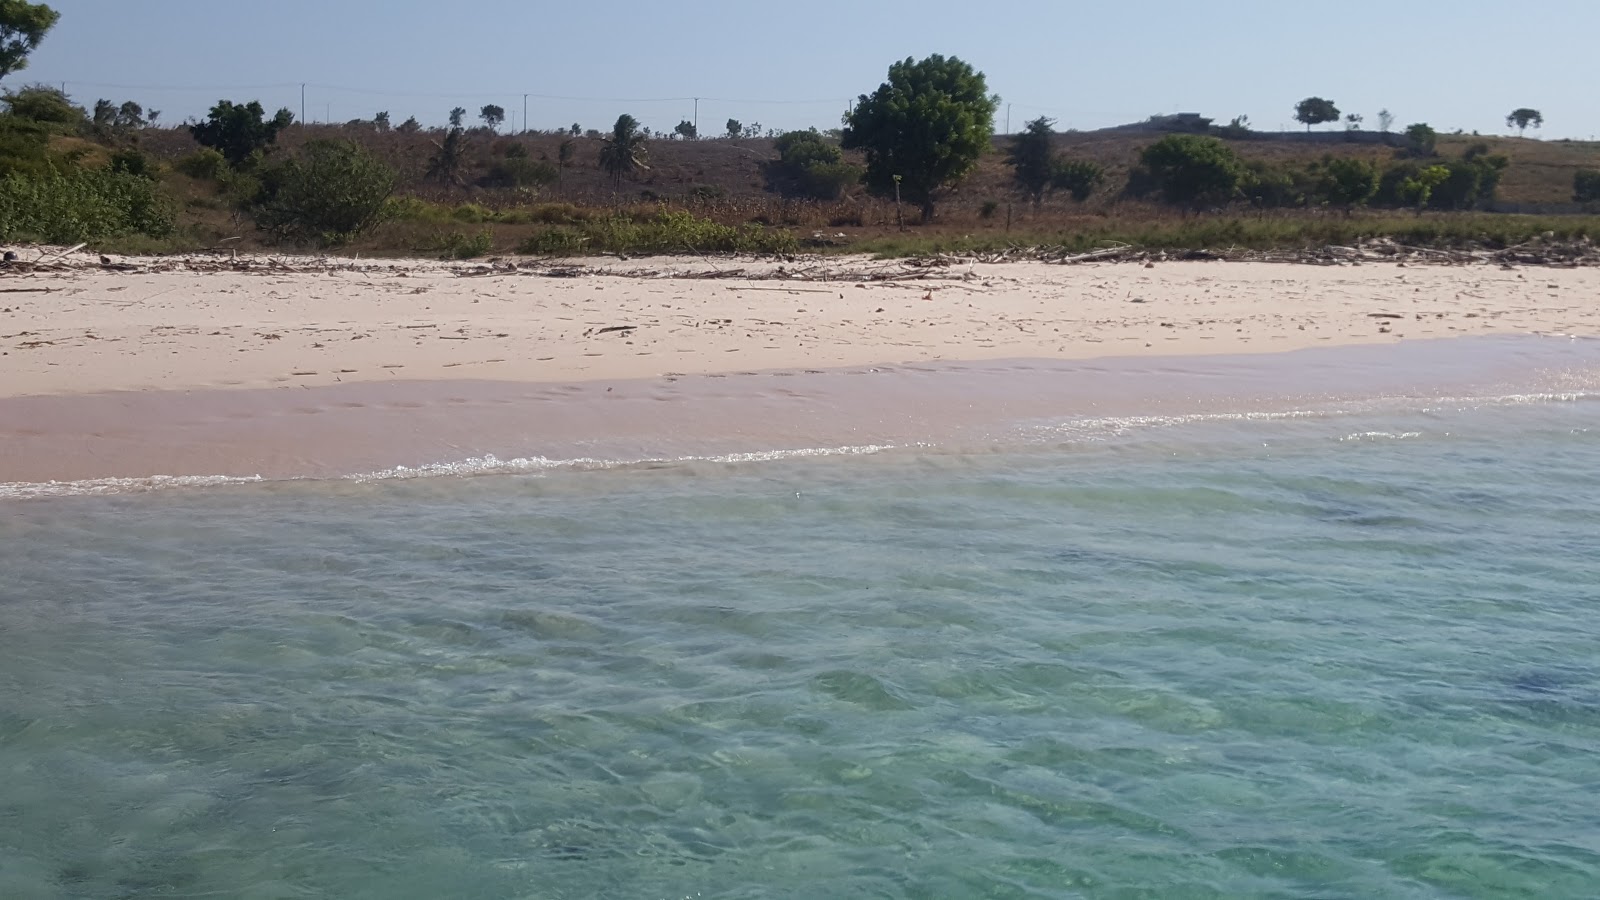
x=1008 y=118
x=697 y=117
x=524 y=113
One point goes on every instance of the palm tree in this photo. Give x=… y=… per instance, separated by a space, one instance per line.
x=623 y=151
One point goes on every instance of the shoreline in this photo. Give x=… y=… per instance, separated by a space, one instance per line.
x=461 y=427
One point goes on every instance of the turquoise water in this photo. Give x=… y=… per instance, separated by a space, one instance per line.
x=1326 y=656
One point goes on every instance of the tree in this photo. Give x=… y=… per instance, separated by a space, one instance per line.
x=1193 y=170
x=924 y=128
x=1385 y=120
x=409 y=126
x=239 y=130
x=449 y=157
x=492 y=115
x=457 y=116
x=1417 y=189
x=22 y=26
x=575 y=130
x=1348 y=182
x=380 y=121
x=42 y=103
x=1586 y=186
x=623 y=150
x=1423 y=138
x=331 y=193
x=1353 y=122
x=1314 y=111
x=565 y=152
x=686 y=130
x=735 y=128
x=1524 y=117
x=1029 y=157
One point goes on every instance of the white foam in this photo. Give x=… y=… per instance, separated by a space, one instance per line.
x=30 y=490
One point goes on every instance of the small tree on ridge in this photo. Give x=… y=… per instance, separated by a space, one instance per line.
x=1314 y=111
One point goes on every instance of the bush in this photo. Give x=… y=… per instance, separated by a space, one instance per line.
x=1193 y=170
x=1586 y=186
x=24 y=146
x=205 y=164
x=83 y=205
x=240 y=131
x=1077 y=177
x=44 y=104
x=988 y=209
x=459 y=245
x=665 y=232
x=132 y=161
x=1347 y=182
x=519 y=172
x=808 y=165
x=333 y=192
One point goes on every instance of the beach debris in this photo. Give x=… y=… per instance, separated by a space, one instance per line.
x=609 y=329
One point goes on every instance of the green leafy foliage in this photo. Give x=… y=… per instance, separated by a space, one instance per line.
x=1347 y=182
x=1423 y=138
x=1586 y=186
x=1523 y=117
x=45 y=104
x=686 y=130
x=492 y=115
x=22 y=26
x=1314 y=111
x=1078 y=177
x=1030 y=158
x=810 y=165
x=82 y=205
x=205 y=164
x=460 y=245
x=734 y=128
x=623 y=151
x=520 y=172
x=449 y=158
x=332 y=192
x=239 y=131
x=1193 y=170
x=924 y=128
x=667 y=231
x=458 y=116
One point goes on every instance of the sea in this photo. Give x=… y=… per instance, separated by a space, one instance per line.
x=1349 y=651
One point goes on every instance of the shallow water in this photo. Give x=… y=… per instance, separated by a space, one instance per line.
x=1331 y=655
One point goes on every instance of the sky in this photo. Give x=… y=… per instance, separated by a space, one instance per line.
x=1455 y=65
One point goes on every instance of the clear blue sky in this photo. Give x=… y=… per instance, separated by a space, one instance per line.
x=794 y=64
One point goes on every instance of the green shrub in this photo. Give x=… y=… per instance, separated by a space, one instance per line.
x=331 y=193
x=24 y=146
x=82 y=205
x=459 y=245
x=519 y=172
x=472 y=213
x=988 y=209
x=132 y=161
x=809 y=165
x=205 y=164
x=1347 y=182
x=44 y=104
x=1078 y=177
x=1193 y=170
x=1586 y=186
x=666 y=232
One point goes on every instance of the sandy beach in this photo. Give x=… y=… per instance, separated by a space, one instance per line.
x=305 y=367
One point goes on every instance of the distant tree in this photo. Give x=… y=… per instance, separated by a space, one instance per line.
x=1586 y=186
x=686 y=130
x=330 y=193
x=1417 y=189
x=1078 y=177
x=380 y=121
x=449 y=158
x=22 y=26
x=565 y=153
x=810 y=165
x=924 y=128
x=1348 y=182
x=409 y=126
x=105 y=113
x=151 y=117
x=575 y=130
x=1314 y=111
x=458 y=116
x=1385 y=120
x=1193 y=170
x=1353 y=121
x=109 y=115
x=1524 y=117
x=1423 y=138
x=492 y=115
x=131 y=115
x=623 y=151
x=239 y=130
x=1030 y=157
x=735 y=128
x=1238 y=129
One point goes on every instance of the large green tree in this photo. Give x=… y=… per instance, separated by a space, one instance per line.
x=1194 y=170
x=1524 y=117
x=22 y=26
x=623 y=150
x=1314 y=111
x=924 y=128
x=237 y=130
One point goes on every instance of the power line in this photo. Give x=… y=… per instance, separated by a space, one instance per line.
x=437 y=95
